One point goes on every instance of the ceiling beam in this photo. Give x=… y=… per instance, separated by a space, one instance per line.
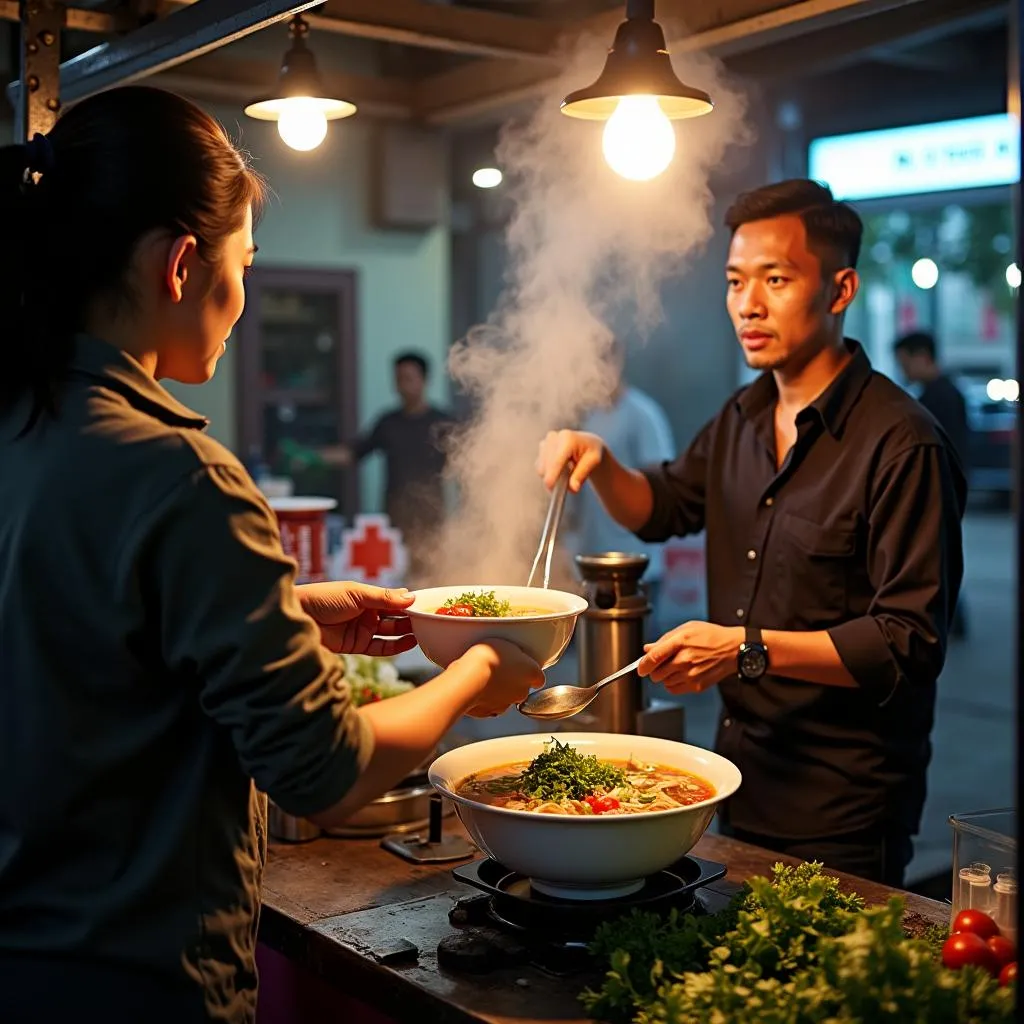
x=164 y=44
x=836 y=48
x=215 y=77
x=75 y=18
x=432 y=26
x=487 y=87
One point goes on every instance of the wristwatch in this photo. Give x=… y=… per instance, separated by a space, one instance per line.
x=752 y=660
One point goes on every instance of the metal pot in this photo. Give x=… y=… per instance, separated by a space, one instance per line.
x=404 y=809
x=287 y=828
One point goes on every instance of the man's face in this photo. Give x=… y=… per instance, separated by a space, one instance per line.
x=783 y=303
x=409 y=382
x=913 y=365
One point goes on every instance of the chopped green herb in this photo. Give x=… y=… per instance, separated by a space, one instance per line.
x=483 y=603
x=563 y=773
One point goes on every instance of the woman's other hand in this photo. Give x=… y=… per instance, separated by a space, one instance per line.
x=357 y=618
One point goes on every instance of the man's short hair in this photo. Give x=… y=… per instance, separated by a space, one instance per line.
x=916 y=343
x=416 y=360
x=834 y=229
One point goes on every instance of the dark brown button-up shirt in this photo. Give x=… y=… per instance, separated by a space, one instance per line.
x=154 y=661
x=859 y=534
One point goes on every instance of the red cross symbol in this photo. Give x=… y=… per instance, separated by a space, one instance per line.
x=373 y=552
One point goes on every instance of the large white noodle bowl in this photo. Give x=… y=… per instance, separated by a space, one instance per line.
x=584 y=857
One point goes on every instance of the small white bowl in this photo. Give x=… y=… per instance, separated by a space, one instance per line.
x=585 y=857
x=443 y=638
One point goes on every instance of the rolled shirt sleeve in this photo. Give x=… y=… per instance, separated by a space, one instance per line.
x=679 y=491
x=915 y=564
x=230 y=619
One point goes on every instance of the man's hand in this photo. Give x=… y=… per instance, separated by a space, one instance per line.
x=349 y=617
x=693 y=657
x=581 y=452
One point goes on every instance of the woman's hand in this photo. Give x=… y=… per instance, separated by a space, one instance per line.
x=507 y=676
x=350 y=617
x=693 y=656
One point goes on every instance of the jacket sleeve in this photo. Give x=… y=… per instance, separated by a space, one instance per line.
x=229 y=617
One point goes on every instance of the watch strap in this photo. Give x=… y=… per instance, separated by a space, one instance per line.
x=753 y=635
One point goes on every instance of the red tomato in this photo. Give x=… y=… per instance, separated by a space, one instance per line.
x=1008 y=974
x=1002 y=948
x=977 y=922
x=967 y=948
x=464 y=611
x=600 y=804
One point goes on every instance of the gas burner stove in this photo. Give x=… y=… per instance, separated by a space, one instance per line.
x=511 y=923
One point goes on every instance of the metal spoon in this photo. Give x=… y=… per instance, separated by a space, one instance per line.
x=565 y=701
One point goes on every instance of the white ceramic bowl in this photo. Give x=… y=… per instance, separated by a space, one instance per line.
x=589 y=856
x=443 y=638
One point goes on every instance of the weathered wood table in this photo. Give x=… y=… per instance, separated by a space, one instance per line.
x=350 y=932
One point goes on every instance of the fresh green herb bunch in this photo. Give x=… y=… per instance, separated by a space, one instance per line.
x=793 y=949
x=483 y=602
x=563 y=773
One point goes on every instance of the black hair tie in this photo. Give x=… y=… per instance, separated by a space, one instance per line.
x=39 y=154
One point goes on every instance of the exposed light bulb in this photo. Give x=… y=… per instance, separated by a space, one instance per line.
x=1013 y=275
x=925 y=273
x=639 y=140
x=302 y=124
x=487 y=177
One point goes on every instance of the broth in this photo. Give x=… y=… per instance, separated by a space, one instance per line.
x=643 y=788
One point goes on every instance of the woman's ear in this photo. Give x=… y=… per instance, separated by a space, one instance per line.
x=179 y=257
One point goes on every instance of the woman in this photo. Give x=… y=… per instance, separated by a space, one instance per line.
x=158 y=669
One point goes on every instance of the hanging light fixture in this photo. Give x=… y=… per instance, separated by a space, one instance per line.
x=638 y=95
x=300 y=105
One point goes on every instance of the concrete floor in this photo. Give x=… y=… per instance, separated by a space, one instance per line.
x=973 y=765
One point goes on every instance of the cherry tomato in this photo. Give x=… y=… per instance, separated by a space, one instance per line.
x=975 y=921
x=1008 y=974
x=464 y=611
x=967 y=948
x=1002 y=948
x=600 y=804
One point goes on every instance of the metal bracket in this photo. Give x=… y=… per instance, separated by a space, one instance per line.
x=38 y=105
x=163 y=44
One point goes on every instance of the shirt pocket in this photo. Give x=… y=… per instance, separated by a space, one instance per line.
x=814 y=564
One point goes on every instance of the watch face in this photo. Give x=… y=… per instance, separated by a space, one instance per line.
x=754 y=662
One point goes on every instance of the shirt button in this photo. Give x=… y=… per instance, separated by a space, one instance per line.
x=739 y=613
x=769 y=502
x=727 y=722
x=751 y=554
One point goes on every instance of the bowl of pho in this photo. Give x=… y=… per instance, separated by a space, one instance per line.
x=584 y=815
x=447 y=621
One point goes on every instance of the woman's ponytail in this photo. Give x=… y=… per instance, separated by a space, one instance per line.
x=74 y=204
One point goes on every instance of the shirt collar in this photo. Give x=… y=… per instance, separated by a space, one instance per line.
x=832 y=406
x=117 y=370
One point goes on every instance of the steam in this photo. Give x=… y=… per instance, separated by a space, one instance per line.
x=586 y=249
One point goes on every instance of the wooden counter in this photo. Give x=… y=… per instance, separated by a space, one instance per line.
x=347 y=912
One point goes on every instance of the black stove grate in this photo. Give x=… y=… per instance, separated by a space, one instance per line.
x=510 y=923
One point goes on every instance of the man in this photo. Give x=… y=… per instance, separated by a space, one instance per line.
x=636 y=427
x=832 y=507
x=411 y=439
x=915 y=352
